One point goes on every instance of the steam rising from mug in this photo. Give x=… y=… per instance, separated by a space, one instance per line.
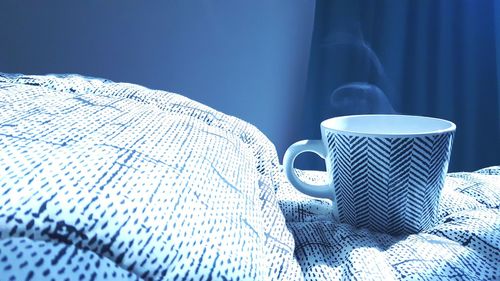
x=359 y=98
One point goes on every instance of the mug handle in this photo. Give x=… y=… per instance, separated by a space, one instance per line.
x=317 y=147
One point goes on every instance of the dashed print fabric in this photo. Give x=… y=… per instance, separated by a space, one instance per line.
x=106 y=180
x=30 y=259
x=113 y=181
x=463 y=245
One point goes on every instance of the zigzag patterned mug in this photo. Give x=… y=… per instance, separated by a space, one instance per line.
x=385 y=172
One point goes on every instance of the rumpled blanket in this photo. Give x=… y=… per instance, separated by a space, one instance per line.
x=113 y=181
x=103 y=180
x=464 y=245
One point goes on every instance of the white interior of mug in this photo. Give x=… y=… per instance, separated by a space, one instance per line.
x=388 y=125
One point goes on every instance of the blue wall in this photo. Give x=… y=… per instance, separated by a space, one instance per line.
x=246 y=59
x=269 y=62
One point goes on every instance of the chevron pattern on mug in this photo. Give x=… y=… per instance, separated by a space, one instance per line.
x=388 y=184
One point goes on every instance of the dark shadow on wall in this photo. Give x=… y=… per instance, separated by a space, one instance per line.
x=432 y=58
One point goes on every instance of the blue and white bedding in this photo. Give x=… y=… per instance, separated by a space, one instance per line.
x=113 y=181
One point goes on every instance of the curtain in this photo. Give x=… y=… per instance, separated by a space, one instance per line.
x=432 y=58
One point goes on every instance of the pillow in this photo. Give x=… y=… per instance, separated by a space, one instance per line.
x=163 y=186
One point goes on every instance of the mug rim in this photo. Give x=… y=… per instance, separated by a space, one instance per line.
x=327 y=125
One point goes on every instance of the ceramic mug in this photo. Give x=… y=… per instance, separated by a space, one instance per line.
x=385 y=172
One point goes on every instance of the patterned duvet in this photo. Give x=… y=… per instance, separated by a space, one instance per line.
x=113 y=181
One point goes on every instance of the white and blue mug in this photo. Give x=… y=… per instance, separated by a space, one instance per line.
x=385 y=172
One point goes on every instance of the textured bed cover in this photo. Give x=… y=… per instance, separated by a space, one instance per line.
x=113 y=181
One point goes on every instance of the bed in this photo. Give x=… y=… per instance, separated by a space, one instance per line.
x=114 y=181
